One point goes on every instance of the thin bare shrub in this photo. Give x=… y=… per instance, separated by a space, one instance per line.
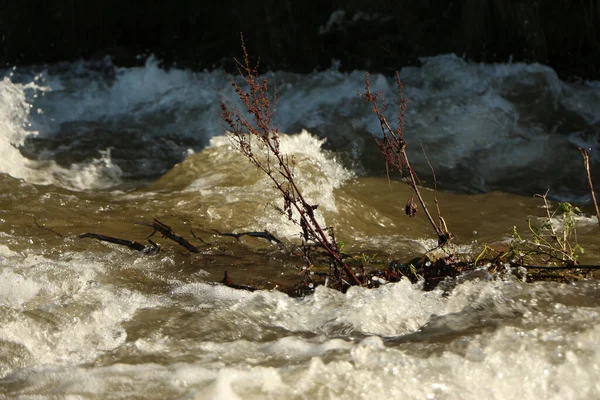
x=586 y=164
x=393 y=148
x=253 y=134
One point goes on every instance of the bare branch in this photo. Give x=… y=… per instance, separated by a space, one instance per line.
x=276 y=166
x=393 y=148
x=586 y=163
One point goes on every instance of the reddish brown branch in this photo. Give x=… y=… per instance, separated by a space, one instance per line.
x=168 y=232
x=442 y=225
x=261 y=108
x=132 y=244
x=586 y=163
x=393 y=148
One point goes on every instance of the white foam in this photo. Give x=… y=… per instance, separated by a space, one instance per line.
x=14 y=123
x=15 y=127
x=489 y=339
x=316 y=172
x=205 y=292
x=100 y=173
x=15 y=290
x=461 y=111
x=61 y=314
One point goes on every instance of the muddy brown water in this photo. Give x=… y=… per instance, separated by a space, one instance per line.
x=87 y=318
x=82 y=151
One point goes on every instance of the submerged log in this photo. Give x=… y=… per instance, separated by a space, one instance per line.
x=264 y=235
x=440 y=266
x=168 y=232
x=227 y=282
x=132 y=244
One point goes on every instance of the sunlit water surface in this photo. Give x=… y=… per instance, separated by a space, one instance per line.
x=93 y=148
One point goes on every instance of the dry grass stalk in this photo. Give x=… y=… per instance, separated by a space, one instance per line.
x=586 y=163
x=257 y=133
x=393 y=148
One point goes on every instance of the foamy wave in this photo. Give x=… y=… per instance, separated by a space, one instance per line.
x=15 y=128
x=317 y=173
x=125 y=91
x=100 y=173
x=484 y=126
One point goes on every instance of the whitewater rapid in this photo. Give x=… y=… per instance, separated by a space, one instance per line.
x=91 y=125
x=92 y=147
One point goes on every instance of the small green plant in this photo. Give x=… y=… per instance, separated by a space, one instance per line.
x=549 y=243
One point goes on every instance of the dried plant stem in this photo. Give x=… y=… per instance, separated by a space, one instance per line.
x=442 y=237
x=442 y=226
x=276 y=165
x=393 y=148
x=586 y=163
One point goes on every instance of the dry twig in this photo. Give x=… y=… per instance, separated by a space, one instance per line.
x=393 y=148
x=586 y=163
x=257 y=133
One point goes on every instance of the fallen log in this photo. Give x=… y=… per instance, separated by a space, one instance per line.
x=168 y=232
x=132 y=244
x=227 y=282
x=264 y=235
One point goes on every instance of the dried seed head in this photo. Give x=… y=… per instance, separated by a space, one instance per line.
x=411 y=207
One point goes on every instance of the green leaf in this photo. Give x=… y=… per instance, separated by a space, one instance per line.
x=565 y=207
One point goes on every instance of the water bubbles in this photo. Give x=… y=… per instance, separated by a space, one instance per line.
x=437 y=389
x=378 y=280
x=558 y=356
x=167 y=260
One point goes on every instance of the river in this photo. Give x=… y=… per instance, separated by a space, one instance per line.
x=90 y=147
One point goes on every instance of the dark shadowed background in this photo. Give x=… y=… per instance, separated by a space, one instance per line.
x=301 y=35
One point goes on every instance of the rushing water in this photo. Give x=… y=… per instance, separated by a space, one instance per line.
x=87 y=147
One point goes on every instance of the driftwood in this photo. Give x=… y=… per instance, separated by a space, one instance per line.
x=168 y=232
x=586 y=164
x=227 y=282
x=432 y=273
x=575 y=266
x=44 y=227
x=264 y=235
x=158 y=226
x=132 y=244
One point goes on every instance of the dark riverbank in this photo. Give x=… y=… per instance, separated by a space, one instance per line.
x=301 y=36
